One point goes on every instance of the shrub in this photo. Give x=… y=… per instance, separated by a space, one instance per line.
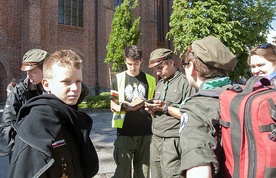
x=101 y=101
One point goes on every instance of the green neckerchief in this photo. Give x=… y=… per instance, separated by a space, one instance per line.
x=210 y=84
x=216 y=83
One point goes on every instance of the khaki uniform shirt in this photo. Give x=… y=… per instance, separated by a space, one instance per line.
x=197 y=134
x=165 y=125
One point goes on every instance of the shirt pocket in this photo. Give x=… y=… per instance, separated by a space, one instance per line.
x=174 y=95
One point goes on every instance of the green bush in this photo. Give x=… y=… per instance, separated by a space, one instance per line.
x=101 y=101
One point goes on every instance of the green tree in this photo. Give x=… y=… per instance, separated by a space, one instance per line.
x=239 y=24
x=124 y=32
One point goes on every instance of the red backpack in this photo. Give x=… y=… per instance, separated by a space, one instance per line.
x=248 y=129
x=250 y=138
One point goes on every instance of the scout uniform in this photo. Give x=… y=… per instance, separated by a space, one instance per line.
x=197 y=133
x=22 y=92
x=165 y=149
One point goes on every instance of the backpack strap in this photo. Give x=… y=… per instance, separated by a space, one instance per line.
x=209 y=93
x=270 y=127
x=215 y=93
x=249 y=87
x=272 y=109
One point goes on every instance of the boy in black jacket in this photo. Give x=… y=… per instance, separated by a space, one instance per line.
x=52 y=136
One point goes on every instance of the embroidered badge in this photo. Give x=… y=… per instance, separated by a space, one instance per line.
x=184 y=120
x=58 y=143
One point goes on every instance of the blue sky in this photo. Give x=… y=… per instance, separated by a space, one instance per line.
x=272 y=32
x=273 y=24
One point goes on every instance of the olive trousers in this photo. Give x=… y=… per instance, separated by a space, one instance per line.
x=132 y=151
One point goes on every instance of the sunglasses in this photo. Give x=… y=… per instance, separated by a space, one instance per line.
x=267 y=45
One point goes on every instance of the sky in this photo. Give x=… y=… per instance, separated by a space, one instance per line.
x=272 y=32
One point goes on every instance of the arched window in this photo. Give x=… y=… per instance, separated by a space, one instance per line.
x=70 y=12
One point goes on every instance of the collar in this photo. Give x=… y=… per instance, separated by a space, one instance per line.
x=173 y=76
x=216 y=82
x=271 y=76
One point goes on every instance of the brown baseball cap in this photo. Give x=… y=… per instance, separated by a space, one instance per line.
x=33 y=58
x=213 y=52
x=158 y=56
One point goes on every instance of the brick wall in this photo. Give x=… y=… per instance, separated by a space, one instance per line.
x=28 y=24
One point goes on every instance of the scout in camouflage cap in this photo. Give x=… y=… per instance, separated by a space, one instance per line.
x=33 y=58
x=158 y=56
x=213 y=52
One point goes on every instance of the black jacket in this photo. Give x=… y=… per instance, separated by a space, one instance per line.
x=19 y=96
x=42 y=122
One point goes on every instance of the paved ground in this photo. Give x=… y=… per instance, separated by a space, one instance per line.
x=102 y=135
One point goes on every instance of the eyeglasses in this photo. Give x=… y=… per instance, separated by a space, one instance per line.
x=184 y=64
x=267 y=45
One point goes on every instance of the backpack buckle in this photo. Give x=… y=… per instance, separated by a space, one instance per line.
x=272 y=135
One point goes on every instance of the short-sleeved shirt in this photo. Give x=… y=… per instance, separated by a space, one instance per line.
x=165 y=125
x=136 y=123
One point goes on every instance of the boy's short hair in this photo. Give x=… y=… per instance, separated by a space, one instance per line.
x=133 y=52
x=64 y=58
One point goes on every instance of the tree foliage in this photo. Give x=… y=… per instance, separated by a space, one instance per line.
x=239 y=24
x=124 y=32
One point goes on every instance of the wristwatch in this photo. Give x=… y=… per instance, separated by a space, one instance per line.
x=165 y=110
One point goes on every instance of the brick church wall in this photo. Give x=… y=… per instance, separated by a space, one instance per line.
x=28 y=24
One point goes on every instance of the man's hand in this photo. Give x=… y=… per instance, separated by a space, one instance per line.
x=157 y=105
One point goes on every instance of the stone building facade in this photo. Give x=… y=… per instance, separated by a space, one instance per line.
x=28 y=24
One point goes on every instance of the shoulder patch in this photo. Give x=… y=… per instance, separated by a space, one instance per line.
x=183 y=121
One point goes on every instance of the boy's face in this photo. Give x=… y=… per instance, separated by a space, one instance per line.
x=133 y=66
x=164 y=69
x=35 y=75
x=65 y=84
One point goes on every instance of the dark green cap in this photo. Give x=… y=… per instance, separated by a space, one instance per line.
x=213 y=52
x=33 y=58
x=158 y=56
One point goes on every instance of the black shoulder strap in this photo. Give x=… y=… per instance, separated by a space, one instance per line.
x=214 y=93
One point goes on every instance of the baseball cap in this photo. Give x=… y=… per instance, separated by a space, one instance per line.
x=158 y=56
x=213 y=52
x=33 y=58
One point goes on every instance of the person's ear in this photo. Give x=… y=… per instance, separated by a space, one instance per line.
x=171 y=62
x=45 y=84
x=192 y=68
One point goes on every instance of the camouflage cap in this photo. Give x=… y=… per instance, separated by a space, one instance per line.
x=213 y=52
x=33 y=58
x=158 y=56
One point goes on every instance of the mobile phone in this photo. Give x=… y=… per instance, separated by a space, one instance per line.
x=149 y=101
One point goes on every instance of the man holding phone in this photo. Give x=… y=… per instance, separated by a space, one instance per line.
x=170 y=92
